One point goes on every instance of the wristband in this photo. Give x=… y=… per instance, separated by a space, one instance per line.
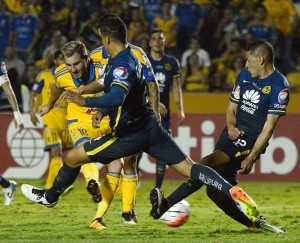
x=18 y=118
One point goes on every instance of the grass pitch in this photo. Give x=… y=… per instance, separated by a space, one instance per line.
x=68 y=221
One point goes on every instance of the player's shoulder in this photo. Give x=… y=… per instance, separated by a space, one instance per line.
x=278 y=79
x=96 y=53
x=61 y=70
x=138 y=52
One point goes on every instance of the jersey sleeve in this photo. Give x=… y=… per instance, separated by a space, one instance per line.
x=38 y=84
x=235 y=94
x=122 y=76
x=175 y=68
x=279 y=100
x=3 y=73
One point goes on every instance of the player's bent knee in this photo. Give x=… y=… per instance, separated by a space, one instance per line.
x=115 y=166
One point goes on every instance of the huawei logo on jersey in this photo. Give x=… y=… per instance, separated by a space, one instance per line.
x=252 y=96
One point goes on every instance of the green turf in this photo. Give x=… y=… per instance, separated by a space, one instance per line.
x=69 y=220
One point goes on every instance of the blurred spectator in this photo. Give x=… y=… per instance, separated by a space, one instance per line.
x=26 y=86
x=144 y=44
x=224 y=29
x=89 y=31
x=137 y=32
x=125 y=12
x=195 y=48
x=57 y=41
x=87 y=7
x=189 y=17
x=26 y=34
x=194 y=75
x=35 y=7
x=168 y=24
x=261 y=26
x=112 y=6
x=6 y=27
x=238 y=64
x=15 y=6
x=150 y=10
x=284 y=15
x=240 y=27
x=207 y=31
x=14 y=62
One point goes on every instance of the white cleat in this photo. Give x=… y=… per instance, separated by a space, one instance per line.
x=9 y=193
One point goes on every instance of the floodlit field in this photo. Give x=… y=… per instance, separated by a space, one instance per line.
x=68 y=222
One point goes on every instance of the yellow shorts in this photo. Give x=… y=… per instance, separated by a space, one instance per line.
x=55 y=130
x=81 y=130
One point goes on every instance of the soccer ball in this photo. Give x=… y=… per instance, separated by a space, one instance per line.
x=177 y=215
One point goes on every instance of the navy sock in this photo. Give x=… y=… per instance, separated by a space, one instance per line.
x=3 y=182
x=160 y=174
x=211 y=178
x=184 y=190
x=65 y=177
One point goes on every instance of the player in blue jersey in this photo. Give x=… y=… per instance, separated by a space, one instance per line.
x=259 y=98
x=167 y=73
x=9 y=187
x=135 y=128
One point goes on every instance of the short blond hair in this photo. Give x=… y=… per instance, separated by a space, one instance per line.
x=72 y=47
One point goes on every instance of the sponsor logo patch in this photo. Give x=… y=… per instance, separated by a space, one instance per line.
x=283 y=96
x=121 y=73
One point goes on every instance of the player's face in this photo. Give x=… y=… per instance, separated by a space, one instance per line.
x=253 y=65
x=157 y=42
x=77 y=65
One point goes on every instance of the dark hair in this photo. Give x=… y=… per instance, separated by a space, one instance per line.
x=261 y=47
x=156 y=30
x=114 y=27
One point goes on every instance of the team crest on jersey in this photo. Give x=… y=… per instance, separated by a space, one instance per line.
x=283 y=96
x=167 y=66
x=121 y=73
x=236 y=92
x=266 y=90
x=3 y=67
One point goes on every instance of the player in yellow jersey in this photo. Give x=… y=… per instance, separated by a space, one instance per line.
x=55 y=135
x=129 y=180
x=79 y=71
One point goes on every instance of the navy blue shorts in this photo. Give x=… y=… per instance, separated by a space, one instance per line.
x=155 y=141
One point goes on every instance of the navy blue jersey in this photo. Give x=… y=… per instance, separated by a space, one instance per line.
x=256 y=98
x=126 y=71
x=165 y=70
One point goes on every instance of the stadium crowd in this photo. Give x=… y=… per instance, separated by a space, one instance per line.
x=207 y=36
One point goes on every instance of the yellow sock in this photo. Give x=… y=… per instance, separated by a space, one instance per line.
x=129 y=185
x=119 y=190
x=90 y=171
x=108 y=190
x=54 y=166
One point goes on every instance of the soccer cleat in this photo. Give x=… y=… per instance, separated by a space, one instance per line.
x=9 y=193
x=36 y=195
x=127 y=218
x=134 y=216
x=93 y=187
x=263 y=224
x=245 y=203
x=156 y=197
x=98 y=224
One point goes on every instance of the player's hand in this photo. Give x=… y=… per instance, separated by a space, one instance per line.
x=64 y=96
x=74 y=97
x=235 y=133
x=162 y=110
x=246 y=166
x=96 y=119
x=34 y=119
x=20 y=127
x=44 y=109
x=18 y=121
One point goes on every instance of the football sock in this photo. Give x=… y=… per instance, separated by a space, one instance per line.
x=229 y=207
x=211 y=178
x=119 y=190
x=109 y=187
x=3 y=182
x=160 y=174
x=184 y=190
x=55 y=164
x=90 y=171
x=65 y=177
x=129 y=185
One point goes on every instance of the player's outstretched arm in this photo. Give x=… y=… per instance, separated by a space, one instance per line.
x=19 y=124
x=154 y=97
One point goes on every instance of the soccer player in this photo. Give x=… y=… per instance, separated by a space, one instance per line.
x=134 y=125
x=129 y=179
x=259 y=98
x=78 y=71
x=167 y=73
x=55 y=128
x=9 y=187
